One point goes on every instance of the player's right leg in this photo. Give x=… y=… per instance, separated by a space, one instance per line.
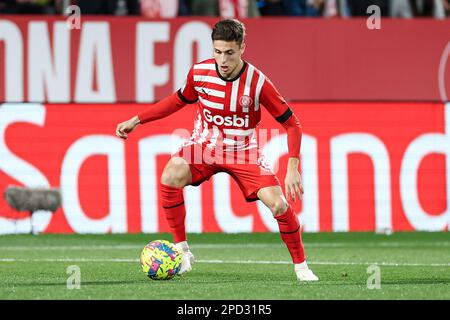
x=273 y=198
x=175 y=177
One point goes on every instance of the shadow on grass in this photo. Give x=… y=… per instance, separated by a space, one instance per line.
x=416 y=281
x=64 y=284
x=202 y=281
x=385 y=282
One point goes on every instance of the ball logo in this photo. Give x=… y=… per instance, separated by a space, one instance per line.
x=245 y=101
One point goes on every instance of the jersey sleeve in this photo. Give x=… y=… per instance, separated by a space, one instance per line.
x=272 y=100
x=187 y=91
x=162 y=109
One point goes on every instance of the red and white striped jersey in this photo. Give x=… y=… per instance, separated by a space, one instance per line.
x=229 y=111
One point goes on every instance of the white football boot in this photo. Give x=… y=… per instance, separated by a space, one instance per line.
x=304 y=273
x=187 y=260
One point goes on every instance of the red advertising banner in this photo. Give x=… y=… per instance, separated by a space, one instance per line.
x=366 y=166
x=124 y=59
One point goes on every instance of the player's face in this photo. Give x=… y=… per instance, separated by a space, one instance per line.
x=228 y=57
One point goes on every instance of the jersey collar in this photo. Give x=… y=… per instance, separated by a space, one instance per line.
x=244 y=66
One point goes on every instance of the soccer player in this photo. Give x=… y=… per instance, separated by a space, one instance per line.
x=228 y=92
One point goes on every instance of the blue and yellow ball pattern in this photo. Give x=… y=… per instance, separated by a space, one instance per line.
x=160 y=260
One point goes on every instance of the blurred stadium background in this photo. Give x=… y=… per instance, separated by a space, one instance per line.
x=372 y=102
x=370 y=85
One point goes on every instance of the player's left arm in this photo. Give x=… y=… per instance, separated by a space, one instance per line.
x=280 y=110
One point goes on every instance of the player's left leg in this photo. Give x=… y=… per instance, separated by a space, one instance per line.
x=289 y=227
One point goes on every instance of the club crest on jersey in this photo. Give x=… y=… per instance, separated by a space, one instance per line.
x=245 y=101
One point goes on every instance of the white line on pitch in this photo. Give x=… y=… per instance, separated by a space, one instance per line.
x=233 y=246
x=382 y=263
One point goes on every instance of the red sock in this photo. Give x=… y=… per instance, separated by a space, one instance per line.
x=290 y=234
x=173 y=206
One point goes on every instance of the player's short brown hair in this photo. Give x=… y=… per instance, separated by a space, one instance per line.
x=229 y=30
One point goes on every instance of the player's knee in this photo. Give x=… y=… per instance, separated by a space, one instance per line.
x=175 y=176
x=279 y=206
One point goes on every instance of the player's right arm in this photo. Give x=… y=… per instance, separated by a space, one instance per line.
x=176 y=101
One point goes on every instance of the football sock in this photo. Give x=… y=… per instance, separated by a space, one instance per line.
x=289 y=227
x=173 y=206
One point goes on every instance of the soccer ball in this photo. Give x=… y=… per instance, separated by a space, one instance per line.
x=160 y=260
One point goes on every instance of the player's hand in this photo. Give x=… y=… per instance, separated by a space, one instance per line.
x=126 y=127
x=293 y=181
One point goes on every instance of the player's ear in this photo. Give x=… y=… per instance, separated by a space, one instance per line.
x=242 y=47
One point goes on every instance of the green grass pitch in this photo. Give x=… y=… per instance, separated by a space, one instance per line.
x=229 y=266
